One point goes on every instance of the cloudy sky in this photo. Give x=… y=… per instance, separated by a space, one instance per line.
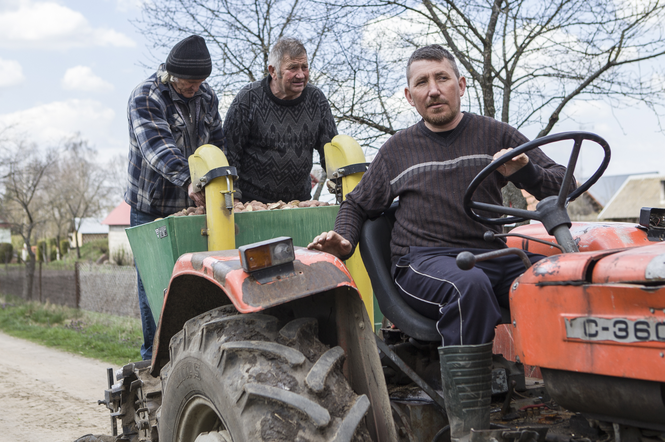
x=68 y=66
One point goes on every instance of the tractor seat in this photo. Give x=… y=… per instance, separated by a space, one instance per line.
x=375 y=251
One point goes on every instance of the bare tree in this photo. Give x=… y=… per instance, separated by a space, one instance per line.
x=116 y=180
x=525 y=61
x=239 y=33
x=81 y=188
x=25 y=177
x=363 y=90
x=59 y=219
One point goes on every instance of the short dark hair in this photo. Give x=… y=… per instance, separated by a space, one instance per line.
x=285 y=46
x=434 y=53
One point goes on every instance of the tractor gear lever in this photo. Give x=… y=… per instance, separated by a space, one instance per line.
x=467 y=260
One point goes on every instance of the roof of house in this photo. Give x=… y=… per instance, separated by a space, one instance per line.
x=118 y=216
x=636 y=192
x=91 y=226
x=607 y=186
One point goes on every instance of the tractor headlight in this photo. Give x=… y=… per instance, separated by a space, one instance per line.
x=277 y=254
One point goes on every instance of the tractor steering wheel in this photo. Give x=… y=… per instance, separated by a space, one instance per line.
x=519 y=215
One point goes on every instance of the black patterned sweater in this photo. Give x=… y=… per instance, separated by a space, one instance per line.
x=271 y=141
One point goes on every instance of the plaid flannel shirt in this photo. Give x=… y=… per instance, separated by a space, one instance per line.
x=160 y=144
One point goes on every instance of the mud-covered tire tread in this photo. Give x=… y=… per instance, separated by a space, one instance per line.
x=316 y=378
x=352 y=419
x=314 y=411
x=293 y=329
x=228 y=320
x=250 y=368
x=293 y=357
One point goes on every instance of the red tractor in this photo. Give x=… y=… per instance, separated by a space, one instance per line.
x=272 y=342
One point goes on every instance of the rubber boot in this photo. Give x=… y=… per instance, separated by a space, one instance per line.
x=466 y=374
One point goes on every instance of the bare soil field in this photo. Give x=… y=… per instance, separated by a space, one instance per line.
x=47 y=395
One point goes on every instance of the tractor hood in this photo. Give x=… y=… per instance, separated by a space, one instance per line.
x=636 y=265
x=640 y=265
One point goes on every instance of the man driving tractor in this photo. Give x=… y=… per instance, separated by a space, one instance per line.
x=428 y=166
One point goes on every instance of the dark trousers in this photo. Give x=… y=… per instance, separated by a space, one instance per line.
x=137 y=218
x=465 y=303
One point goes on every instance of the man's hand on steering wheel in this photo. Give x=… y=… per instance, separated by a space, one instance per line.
x=512 y=162
x=513 y=165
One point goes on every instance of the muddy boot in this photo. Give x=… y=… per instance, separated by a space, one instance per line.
x=466 y=374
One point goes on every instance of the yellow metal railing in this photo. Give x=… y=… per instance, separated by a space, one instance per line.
x=341 y=152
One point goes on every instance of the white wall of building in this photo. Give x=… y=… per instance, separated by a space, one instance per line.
x=118 y=242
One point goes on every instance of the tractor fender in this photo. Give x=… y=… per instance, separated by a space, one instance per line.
x=202 y=281
x=206 y=280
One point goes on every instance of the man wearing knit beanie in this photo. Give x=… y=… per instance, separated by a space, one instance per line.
x=170 y=114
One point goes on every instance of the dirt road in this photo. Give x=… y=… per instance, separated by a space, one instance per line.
x=48 y=395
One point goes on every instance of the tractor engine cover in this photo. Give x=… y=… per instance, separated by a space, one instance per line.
x=595 y=324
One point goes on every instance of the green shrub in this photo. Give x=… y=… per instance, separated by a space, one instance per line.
x=122 y=258
x=6 y=251
x=92 y=250
x=64 y=247
x=41 y=247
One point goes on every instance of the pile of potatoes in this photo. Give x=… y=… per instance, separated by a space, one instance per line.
x=191 y=211
x=255 y=206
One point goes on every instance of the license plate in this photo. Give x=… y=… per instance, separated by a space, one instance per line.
x=615 y=329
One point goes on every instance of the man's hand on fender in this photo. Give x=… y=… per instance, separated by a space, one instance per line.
x=331 y=242
x=197 y=196
x=513 y=165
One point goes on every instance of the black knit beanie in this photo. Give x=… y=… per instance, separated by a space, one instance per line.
x=189 y=59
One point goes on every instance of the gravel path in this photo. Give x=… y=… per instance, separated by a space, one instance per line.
x=47 y=395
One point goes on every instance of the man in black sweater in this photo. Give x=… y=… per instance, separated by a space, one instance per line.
x=273 y=127
x=429 y=166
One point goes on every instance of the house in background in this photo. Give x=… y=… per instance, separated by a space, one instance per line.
x=589 y=205
x=607 y=186
x=117 y=221
x=636 y=192
x=90 y=229
x=5 y=231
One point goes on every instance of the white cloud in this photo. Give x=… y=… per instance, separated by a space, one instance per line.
x=52 y=122
x=48 y=25
x=11 y=73
x=81 y=78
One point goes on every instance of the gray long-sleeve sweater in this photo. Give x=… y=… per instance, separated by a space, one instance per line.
x=430 y=172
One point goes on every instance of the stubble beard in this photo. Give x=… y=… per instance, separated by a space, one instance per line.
x=439 y=119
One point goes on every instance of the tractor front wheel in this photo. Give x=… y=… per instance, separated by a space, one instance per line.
x=235 y=378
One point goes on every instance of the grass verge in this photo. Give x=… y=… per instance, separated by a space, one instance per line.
x=113 y=339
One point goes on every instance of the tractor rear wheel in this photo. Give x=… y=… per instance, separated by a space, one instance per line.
x=235 y=378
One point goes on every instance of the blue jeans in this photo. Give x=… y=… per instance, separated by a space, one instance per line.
x=137 y=218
